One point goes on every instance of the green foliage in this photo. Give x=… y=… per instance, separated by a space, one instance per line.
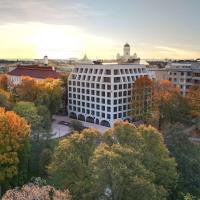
x=126 y=163
x=40 y=157
x=118 y=174
x=45 y=124
x=5 y=99
x=189 y=197
x=64 y=86
x=70 y=166
x=38 y=117
x=187 y=156
x=177 y=110
x=76 y=125
x=29 y=111
x=44 y=160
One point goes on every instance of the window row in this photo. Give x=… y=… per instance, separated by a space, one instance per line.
x=104 y=79
x=109 y=71
x=98 y=100
x=99 y=86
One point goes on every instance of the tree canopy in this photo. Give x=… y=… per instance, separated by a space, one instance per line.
x=13 y=133
x=125 y=160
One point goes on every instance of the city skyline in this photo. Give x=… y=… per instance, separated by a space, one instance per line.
x=64 y=29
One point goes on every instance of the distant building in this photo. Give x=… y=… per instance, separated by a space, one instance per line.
x=35 y=71
x=181 y=74
x=158 y=73
x=46 y=60
x=184 y=75
x=127 y=57
x=101 y=93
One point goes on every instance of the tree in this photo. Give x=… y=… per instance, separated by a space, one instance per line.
x=193 y=97
x=125 y=163
x=45 y=115
x=148 y=143
x=64 y=86
x=5 y=99
x=27 y=90
x=35 y=190
x=70 y=164
x=76 y=125
x=14 y=133
x=44 y=161
x=3 y=82
x=187 y=156
x=142 y=98
x=52 y=95
x=168 y=104
x=29 y=111
x=118 y=174
x=45 y=92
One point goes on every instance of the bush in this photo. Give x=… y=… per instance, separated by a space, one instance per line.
x=76 y=125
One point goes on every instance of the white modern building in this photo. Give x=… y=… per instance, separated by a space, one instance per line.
x=101 y=93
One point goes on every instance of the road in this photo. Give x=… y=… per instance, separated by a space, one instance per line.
x=60 y=127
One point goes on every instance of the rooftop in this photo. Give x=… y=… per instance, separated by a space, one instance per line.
x=35 y=71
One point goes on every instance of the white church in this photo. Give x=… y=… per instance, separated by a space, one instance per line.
x=127 y=57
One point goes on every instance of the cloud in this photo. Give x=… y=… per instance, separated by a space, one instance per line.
x=176 y=52
x=45 y=11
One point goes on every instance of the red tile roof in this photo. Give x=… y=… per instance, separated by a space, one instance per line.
x=35 y=71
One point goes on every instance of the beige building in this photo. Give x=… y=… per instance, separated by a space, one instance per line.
x=181 y=74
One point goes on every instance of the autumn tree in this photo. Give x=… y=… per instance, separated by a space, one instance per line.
x=46 y=92
x=27 y=90
x=14 y=133
x=142 y=98
x=5 y=99
x=70 y=166
x=148 y=143
x=125 y=163
x=193 y=97
x=50 y=94
x=169 y=106
x=3 y=82
x=36 y=190
x=118 y=174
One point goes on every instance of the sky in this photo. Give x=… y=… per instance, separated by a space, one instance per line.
x=155 y=29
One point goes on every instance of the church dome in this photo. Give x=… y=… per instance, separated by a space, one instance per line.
x=126 y=45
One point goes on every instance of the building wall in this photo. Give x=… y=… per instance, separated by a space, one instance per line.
x=15 y=80
x=102 y=93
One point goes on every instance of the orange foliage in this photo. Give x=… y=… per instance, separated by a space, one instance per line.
x=193 y=97
x=164 y=89
x=27 y=89
x=143 y=81
x=13 y=131
x=3 y=81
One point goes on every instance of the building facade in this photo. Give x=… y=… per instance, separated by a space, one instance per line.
x=184 y=75
x=181 y=74
x=101 y=93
